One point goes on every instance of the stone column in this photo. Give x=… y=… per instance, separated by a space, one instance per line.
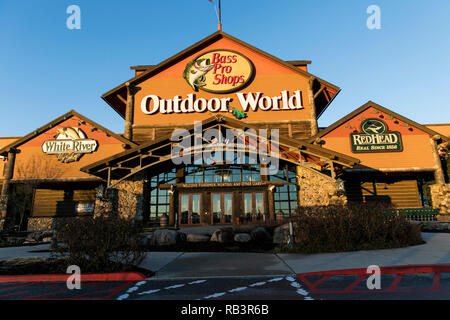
x=8 y=175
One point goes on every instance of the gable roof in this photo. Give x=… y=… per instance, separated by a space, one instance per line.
x=57 y=121
x=116 y=97
x=366 y=106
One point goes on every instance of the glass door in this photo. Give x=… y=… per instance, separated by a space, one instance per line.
x=190 y=206
x=222 y=208
x=253 y=206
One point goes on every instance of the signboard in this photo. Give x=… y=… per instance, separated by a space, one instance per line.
x=376 y=137
x=70 y=145
x=84 y=207
x=219 y=71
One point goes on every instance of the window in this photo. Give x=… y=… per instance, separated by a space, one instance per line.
x=222 y=174
x=286 y=197
x=160 y=199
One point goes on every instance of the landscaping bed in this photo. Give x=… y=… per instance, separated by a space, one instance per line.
x=46 y=266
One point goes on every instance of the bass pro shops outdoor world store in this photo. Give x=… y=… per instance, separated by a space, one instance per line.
x=221 y=133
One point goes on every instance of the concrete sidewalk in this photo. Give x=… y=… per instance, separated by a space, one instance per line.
x=435 y=251
x=170 y=265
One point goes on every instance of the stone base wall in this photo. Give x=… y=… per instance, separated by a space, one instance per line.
x=125 y=199
x=317 y=189
x=49 y=223
x=440 y=198
x=38 y=224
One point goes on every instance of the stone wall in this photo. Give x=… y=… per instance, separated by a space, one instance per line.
x=440 y=198
x=49 y=223
x=317 y=189
x=124 y=199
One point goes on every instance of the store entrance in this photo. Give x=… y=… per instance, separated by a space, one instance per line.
x=190 y=206
x=222 y=208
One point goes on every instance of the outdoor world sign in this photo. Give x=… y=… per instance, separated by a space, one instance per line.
x=70 y=145
x=376 y=137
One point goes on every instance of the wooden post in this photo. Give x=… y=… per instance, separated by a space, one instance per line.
x=312 y=106
x=9 y=174
x=270 y=202
x=333 y=173
x=438 y=173
x=129 y=112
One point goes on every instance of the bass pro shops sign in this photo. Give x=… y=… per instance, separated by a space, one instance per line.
x=219 y=71
x=376 y=137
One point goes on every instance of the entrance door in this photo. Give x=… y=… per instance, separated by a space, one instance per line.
x=253 y=206
x=222 y=208
x=190 y=208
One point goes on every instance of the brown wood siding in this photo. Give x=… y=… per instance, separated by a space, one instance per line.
x=401 y=193
x=59 y=202
x=290 y=129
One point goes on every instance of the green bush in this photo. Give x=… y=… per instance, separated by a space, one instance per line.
x=353 y=227
x=102 y=244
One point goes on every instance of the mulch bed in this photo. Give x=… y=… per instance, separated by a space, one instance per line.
x=34 y=266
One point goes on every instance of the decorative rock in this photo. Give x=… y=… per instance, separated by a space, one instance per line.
x=181 y=237
x=242 y=237
x=147 y=240
x=165 y=237
x=281 y=234
x=223 y=235
x=48 y=239
x=261 y=235
x=197 y=238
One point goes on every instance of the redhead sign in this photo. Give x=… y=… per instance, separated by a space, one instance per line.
x=219 y=71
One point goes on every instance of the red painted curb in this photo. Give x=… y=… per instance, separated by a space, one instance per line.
x=425 y=268
x=93 y=277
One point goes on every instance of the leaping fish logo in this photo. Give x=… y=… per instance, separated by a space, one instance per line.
x=373 y=127
x=195 y=72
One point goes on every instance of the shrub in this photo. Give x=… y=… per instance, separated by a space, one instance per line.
x=101 y=244
x=353 y=227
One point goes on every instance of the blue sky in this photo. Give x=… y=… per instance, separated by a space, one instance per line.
x=47 y=70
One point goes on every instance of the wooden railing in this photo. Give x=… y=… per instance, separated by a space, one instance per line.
x=420 y=214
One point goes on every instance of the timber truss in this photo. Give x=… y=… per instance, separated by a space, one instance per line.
x=245 y=139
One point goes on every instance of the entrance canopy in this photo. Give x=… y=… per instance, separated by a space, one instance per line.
x=219 y=140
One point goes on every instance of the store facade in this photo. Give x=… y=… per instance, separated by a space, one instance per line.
x=221 y=133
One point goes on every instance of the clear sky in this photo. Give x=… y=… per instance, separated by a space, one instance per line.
x=47 y=69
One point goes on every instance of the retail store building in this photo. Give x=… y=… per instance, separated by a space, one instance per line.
x=253 y=115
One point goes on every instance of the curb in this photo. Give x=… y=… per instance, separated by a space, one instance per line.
x=424 y=268
x=93 y=277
